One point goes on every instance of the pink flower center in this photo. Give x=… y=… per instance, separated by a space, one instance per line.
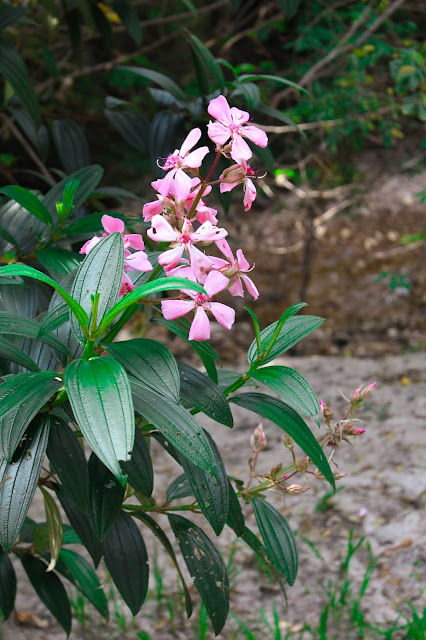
x=236 y=128
x=250 y=172
x=202 y=301
x=173 y=162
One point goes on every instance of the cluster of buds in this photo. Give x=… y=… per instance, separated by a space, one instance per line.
x=360 y=394
x=182 y=219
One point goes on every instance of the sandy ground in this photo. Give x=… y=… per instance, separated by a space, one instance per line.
x=386 y=476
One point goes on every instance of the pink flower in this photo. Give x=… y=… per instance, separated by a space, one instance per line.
x=137 y=261
x=231 y=124
x=235 y=270
x=237 y=174
x=162 y=231
x=200 y=327
x=183 y=159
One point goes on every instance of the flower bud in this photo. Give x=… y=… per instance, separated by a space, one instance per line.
x=356 y=396
x=233 y=174
x=258 y=439
x=368 y=390
x=275 y=470
x=296 y=489
x=362 y=513
x=288 y=442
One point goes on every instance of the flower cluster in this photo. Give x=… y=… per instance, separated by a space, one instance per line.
x=182 y=219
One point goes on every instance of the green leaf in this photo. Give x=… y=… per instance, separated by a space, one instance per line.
x=81 y=525
x=131 y=126
x=100 y=272
x=71 y=144
x=24 y=228
x=105 y=497
x=228 y=377
x=291 y=311
x=21 y=398
x=19 y=325
x=88 y=177
x=164 y=132
x=101 y=400
x=20 y=299
x=139 y=471
x=54 y=527
x=29 y=202
x=150 y=362
x=49 y=589
x=7 y=585
x=78 y=571
x=291 y=386
x=165 y=284
x=249 y=77
x=29 y=272
x=197 y=390
x=249 y=91
x=161 y=536
x=287 y=419
x=180 y=487
x=207 y=354
x=209 y=72
x=130 y=19
x=18 y=482
x=11 y=352
x=278 y=538
x=158 y=78
x=206 y=567
x=280 y=115
x=178 y=426
x=235 y=518
x=14 y=71
x=294 y=330
x=212 y=494
x=59 y=262
x=68 y=461
x=254 y=543
x=42 y=355
x=127 y=561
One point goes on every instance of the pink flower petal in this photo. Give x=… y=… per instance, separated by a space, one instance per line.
x=126 y=285
x=223 y=314
x=238 y=116
x=138 y=261
x=163 y=186
x=200 y=264
x=152 y=209
x=218 y=132
x=256 y=135
x=236 y=289
x=162 y=231
x=135 y=241
x=215 y=282
x=227 y=186
x=243 y=265
x=90 y=244
x=180 y=187
x=171 y=258
x=240 y=149
x=249 y=194
x=111 y=225
x=208 y=233
x=195 y=158
x=226 y=249
x=219 y=109
x=190 y=141
x=200 y=327
x=251 y=287
x=172 y=309
x=206 y=214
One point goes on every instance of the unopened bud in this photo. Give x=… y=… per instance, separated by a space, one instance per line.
x=368 y=389
x=356 y=396
x=351 y=430
x=296 y=489
x=362 y=513
x=258 y=439
x=232 y=174
x=275 y=470
x=303 y=464
x=288 y=442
